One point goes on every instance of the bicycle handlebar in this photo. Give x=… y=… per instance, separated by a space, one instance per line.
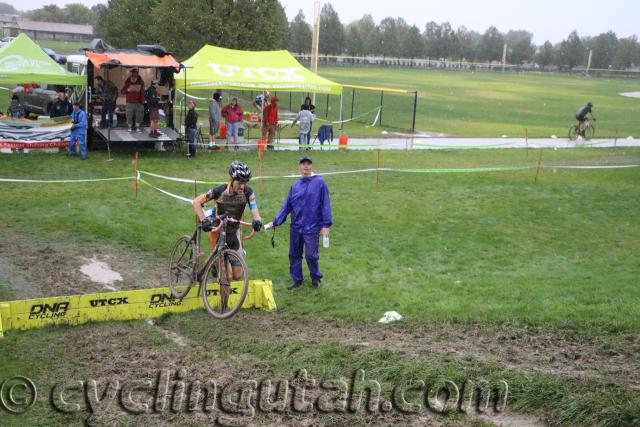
x=228 y=218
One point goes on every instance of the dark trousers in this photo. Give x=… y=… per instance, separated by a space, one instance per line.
x=108 y=108
x=308 y=243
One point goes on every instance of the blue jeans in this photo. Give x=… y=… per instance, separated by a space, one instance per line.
x=191 y=140
x=80 y=138
x=232 y=131
x=304 y=138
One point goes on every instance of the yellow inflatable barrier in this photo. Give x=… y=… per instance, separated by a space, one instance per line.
x=122 y=305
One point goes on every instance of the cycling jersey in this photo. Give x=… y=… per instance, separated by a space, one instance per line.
x=582 y=112
x=231 y=204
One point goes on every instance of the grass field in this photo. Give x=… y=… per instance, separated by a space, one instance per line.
x=62 y=47
x=492 y=104
x=497 y=277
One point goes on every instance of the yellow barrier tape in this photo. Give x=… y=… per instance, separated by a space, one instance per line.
x=121 y=305
x=379 y=89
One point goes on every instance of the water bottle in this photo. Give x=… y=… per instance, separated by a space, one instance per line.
x=325 y=241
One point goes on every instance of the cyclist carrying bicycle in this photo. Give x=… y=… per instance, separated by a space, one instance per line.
x=581 y=116
x=231 y=199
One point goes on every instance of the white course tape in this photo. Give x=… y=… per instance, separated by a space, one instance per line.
x=62 y=181
x=175 y=196
x=171 y=178
x=592 y=167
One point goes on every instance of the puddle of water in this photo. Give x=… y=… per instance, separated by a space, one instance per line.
x=100 y=272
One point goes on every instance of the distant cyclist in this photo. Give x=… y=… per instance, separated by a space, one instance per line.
x=231 y=199
x=581 y=116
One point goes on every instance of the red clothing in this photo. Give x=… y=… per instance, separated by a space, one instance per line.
x=231 y=114
x=270 y=114
x=136 y=97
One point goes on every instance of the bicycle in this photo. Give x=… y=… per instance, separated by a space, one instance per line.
x=220 y=279
x=586 y=133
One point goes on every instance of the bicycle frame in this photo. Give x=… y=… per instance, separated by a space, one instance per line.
x=221 y=244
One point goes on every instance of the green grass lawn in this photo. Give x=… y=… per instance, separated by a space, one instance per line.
x=490 y=250
x=62 y=47
x=491 y=247
x=492 y=104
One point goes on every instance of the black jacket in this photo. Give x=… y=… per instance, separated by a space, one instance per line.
x=192 y=120
x=60 y=108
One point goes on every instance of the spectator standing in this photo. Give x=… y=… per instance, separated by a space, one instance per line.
x=134 y=90
x=234 y=116
x=261 y=101
x=310 y=208
x=312 y=108
x=78 y=131
x=153 y=105
x=191 y=127
x=304 y=119
x=108 y=92
x=215 y=116
x=61 y=107
x=270 y=121
x=16 y=110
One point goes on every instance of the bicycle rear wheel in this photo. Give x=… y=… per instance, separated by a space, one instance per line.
x=573 y=132
x=182 y=267
x=225 y=284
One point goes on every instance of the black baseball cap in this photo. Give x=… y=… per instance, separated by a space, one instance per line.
x=305 y=159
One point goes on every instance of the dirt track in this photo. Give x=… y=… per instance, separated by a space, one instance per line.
x=47 y=266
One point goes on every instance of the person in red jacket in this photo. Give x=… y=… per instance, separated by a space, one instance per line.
x=270 y=121
x=134 y=90
x=234 y=116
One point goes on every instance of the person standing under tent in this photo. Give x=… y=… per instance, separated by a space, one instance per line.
x=153 y=105
x=215 y=116
x=312 y=108
x=134 y=90
x=61 y=107
x=234 y=116
x=16 y=109
x=108 y=92
x=78 y=131
x=270 y=121
x=304 y=119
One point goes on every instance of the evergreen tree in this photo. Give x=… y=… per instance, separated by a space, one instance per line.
x=331 y=31
x=299 y=35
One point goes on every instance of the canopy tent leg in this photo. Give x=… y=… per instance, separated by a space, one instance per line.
x=341 y=122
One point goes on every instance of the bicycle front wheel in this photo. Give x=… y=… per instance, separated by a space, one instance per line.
x=181 y=267
x=589 y=131
x=573 y=132
x=225 y=284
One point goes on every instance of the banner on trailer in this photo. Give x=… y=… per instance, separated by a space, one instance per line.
x=32 y=134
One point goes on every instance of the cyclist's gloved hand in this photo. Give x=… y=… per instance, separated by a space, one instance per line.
x=206 y=225
x=257 y=225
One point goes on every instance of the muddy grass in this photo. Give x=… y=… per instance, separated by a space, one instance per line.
x=37 y=265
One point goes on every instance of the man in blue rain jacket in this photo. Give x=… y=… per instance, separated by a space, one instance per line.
x=78 y=131
x=310 y=208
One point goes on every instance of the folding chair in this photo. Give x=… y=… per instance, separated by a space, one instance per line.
x=325 y=133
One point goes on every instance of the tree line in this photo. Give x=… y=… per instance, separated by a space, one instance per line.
x=393 y=37
x=73 y=13
x=183 y=26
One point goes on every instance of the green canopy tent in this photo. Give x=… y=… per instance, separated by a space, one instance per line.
x=219 y=68
x=23 y=61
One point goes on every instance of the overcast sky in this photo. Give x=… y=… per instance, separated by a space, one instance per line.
x=547 y=19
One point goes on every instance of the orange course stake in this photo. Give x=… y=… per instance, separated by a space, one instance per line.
x=260 y=156
x=538 y=168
